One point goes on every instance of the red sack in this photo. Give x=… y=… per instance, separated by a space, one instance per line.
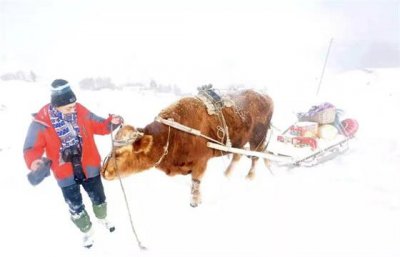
x=350 y=127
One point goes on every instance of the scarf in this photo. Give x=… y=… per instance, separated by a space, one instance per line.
x=66 y=127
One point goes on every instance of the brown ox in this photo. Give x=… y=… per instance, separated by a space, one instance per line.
x=178 y=152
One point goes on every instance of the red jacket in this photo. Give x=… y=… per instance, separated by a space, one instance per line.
x=42 y=138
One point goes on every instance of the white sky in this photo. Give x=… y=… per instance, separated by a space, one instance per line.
x=190 y=43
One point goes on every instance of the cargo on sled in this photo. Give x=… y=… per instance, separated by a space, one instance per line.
x=318 y=135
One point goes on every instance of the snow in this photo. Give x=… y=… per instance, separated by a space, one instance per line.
x=348 y=206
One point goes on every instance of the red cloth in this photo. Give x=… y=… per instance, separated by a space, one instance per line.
x=42 y=138
x=350 y=127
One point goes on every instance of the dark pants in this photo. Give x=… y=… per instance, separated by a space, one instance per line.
x=73 y=197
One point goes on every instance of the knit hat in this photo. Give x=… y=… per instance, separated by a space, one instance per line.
x=61 y=93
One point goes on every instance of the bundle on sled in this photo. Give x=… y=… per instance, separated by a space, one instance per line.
x=317 y=136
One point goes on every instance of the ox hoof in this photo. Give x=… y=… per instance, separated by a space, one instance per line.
x=228 y=174
x=195 y=202
x=250 y=176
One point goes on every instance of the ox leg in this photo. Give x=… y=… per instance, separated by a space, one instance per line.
x=268 y=165
x=251 y=173
x=233 y=164
x=257 y=144
x=196 y=195
x=197 y=174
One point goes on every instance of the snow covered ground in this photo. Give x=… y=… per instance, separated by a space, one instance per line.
x=349 y=206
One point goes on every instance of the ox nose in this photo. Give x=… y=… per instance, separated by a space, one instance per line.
x=108 y=175
x=107 y=171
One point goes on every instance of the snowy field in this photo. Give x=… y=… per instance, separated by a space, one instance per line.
x=349 y=206
x=346 y=207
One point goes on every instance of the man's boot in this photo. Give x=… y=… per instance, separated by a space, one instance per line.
x=82 y=221
x=101 y=214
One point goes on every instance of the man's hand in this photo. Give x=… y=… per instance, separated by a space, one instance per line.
x=40 y=169
x=36 y=164
x=116 y=119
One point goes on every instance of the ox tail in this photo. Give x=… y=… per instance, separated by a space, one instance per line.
x=270 y=127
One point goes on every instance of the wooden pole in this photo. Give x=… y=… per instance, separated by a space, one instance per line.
x=264 y=155
x=323 y=68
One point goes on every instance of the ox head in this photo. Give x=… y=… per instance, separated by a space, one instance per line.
x=128 y=153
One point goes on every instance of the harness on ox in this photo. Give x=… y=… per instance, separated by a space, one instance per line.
x=215 y=104
x=127 y=141
x=210 y=98
x=114 y=143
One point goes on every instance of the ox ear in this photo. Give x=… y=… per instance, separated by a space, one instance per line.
x=143 y=144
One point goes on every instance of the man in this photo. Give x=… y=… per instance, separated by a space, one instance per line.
x=64 y=131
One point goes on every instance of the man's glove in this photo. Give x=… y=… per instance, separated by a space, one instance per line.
x=116 y=119
x=42 y=171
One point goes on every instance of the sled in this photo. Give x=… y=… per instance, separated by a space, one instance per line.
x=305 y=153
x=316 y=137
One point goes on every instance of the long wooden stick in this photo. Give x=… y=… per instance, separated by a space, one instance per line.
x=263 y=155
x=323 y=69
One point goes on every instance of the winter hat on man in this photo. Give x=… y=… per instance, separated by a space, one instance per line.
x=61 y=93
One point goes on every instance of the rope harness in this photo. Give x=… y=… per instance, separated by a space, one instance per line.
x=165 y=149
x=123 y=189
x=128 y=141
x=214 y=104
x=136 y=135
